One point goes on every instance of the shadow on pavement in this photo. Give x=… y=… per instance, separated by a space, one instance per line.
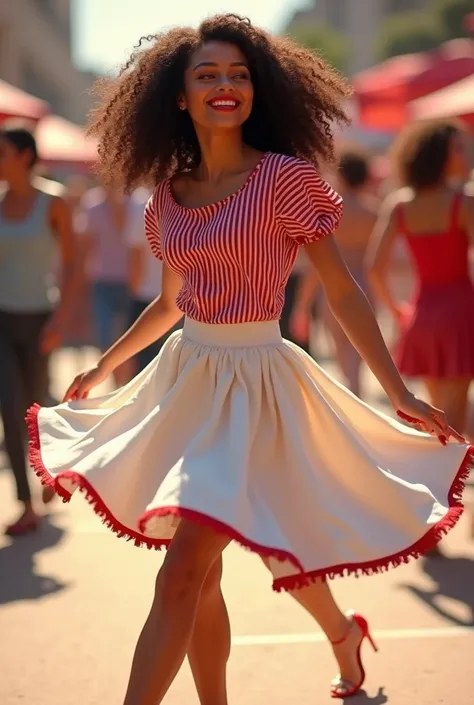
x=20 y=579
x=452 y=578
x=363 y=699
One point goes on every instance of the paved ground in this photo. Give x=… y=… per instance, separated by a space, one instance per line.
x=73 y=598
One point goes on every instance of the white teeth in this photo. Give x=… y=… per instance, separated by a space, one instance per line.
x=226 y=103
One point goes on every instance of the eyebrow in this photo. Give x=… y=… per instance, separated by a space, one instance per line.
x=212 y=63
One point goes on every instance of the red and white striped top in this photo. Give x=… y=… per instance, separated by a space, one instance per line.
x=235 y=256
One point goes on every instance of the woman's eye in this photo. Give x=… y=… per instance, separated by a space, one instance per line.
x=238 y=76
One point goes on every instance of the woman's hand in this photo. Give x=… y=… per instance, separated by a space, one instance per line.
x=300 y=326
x=426 y=418
x=85 y=381
x=52 y=335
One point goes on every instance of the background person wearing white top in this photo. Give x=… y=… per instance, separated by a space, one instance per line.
x=144 y=276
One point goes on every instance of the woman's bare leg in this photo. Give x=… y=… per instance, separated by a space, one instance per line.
x=166 y=635
x=209 y=648
x=453 y=397
x=318 y=601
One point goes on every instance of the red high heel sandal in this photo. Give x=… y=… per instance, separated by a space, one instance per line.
x=22 y=528
x=347 y=688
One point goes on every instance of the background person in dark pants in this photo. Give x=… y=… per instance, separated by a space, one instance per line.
x=35 y=232
x=145 y=272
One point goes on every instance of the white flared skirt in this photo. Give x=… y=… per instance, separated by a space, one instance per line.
x=235 y=428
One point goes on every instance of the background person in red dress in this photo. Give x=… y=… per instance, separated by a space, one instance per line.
x=436 y=342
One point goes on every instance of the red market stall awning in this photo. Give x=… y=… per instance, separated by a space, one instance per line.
x=63 y=143
x=381 y=92
x=454 y=101
x=15 y=103
x=384 y=92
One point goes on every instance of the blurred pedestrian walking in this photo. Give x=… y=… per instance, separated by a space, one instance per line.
x=104 y=222
x=35 y=235
x=352 y=236
x=80 y=333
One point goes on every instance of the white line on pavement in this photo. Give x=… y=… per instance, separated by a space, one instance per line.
x=311 y=638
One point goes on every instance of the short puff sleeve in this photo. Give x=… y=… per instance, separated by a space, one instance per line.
x=152 y=224
x=306 y=205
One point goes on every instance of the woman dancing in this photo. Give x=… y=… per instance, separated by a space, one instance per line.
x=35 y=236
x=234 y=433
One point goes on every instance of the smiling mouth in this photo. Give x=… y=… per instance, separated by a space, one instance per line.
x=225 y=105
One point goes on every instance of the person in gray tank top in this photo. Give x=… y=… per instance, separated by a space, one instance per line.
x=35 y=234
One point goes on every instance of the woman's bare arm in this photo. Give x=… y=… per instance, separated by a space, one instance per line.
x=378 y=257
x=60 y=220
x=353 y=311
x=156 y=320
x=61 y=224
x=351 y=308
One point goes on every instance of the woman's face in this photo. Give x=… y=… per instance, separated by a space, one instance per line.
x=218 y=90
x=457 y=165
x=12 y=161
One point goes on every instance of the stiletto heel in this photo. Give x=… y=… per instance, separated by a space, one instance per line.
x=372 y=642
x=346 y=688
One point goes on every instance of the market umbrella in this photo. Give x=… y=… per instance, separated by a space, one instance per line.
x=62 y=143
x=15 y=103
x=454 y=101
x=384 y=93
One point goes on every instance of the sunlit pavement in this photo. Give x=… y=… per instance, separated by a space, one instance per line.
x=73 y=598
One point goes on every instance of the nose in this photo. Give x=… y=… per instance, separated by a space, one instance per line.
x=225 y=84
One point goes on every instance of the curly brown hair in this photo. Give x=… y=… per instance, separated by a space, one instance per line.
x=144 y=137
x=421 y=152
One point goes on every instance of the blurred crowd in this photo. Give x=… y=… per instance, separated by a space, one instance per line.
x=76 y=271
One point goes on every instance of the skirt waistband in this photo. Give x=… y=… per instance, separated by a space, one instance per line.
x=233 y=335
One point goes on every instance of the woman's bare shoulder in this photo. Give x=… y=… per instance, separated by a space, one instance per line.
x=469 y=188
x=395 y=198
